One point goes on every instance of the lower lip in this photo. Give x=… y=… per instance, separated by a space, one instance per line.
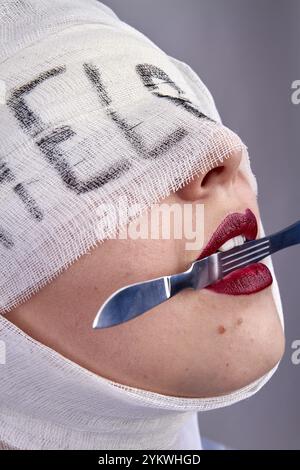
x=244 y=281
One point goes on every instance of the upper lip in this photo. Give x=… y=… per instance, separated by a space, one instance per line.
x=233 y=225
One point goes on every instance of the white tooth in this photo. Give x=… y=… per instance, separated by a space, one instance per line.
x=227 y=245
x=236 y=241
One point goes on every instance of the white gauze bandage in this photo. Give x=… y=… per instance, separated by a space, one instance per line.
x=94 y=113
x=91 y=111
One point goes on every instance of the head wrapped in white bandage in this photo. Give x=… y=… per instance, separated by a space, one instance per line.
x=93 y=112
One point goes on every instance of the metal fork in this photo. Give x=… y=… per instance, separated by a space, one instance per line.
x=214 y=267
x=135 y=299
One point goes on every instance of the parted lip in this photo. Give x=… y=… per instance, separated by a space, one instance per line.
x=233 y=225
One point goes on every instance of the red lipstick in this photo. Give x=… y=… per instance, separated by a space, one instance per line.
x=250 y=279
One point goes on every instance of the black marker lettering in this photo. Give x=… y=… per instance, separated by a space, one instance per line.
x=29 y=202
x=26 y=117
x=7 y=176
x=6 y=239
x=93 y=75
x=131 y=135
x=32 y=124
x=148 y=71
x=49 y=145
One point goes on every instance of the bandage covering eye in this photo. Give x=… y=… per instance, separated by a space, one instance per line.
x=91 y=112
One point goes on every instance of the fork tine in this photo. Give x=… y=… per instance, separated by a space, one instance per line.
x=237 y=256
x=250 y=260
x=240 y=249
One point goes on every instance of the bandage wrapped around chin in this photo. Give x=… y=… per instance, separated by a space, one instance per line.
x=93 y=112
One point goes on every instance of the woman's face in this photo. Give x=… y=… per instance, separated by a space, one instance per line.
x=197 y=344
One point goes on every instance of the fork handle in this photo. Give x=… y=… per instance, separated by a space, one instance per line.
x=287 y=237
x=181 y=281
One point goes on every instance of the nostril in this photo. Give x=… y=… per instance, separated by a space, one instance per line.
x=211 y=174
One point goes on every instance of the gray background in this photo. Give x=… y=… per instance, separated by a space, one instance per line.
x=247 y=53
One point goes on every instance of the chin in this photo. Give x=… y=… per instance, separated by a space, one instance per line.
x=243 y=341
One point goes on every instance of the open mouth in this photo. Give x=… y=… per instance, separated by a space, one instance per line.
x=234 y=230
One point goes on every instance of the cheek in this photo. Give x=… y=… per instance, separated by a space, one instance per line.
x=244 y=188
x=148 y=259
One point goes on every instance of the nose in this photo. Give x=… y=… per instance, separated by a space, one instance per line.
x=222 y=175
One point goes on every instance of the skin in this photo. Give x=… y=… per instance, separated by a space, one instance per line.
x=198 y=344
